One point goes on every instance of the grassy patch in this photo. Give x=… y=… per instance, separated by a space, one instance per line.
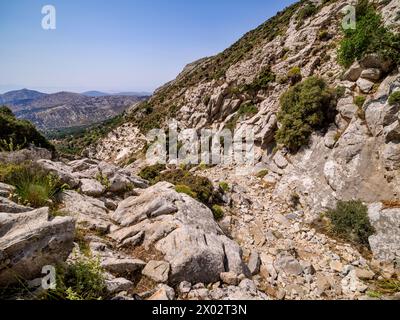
x=359 y=101
x=218 y=212
x=80 y=280
x=33 y=186
x=294 y=75
x=262 y=174
x=394 y=98
x=186 y=190
x=224 y=186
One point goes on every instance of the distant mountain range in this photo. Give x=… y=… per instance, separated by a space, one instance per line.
x=67 y=109
x=104 y=94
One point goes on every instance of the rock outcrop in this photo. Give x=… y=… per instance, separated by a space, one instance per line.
x=29 y=241
x=182 y=229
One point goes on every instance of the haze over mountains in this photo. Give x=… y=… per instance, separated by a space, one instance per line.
x=67 y=109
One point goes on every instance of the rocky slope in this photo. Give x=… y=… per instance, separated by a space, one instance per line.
x=156 y=243
x=355 y=158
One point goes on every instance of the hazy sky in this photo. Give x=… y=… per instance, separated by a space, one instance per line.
x=119 y=45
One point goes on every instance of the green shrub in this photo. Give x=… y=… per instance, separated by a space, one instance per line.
x=224 y=186
x=262 y=174
x=103 y=179
x=306 y=107
x=186 y=190
x=324 y=35
x=260 y=82
x=307 y=11
x=359 y=101
x=340 y=91
x=350 y=221
x=18 y=134
x=394 y=98
x=218 y=212
x=150 y=173
x=80 y=280
x=370 y=36
x=200 y=186
x=294 y=75
x=33 y=186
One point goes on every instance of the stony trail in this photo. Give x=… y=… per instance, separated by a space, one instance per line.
x=297 y=262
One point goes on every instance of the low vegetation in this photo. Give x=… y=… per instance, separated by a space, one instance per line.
x=73 y=141
x=246 y=110
x=305 y=108
x=80 y=280
x=394 y=98
x=350 y=222
x=224 y=186
x=294 y=75
x=359 y=101
x=370 y=36
x=197 y=187
x=200 y=186
x=260 y=82
x=16 y=134
x=151 y=173
x=218 y=212
x=33 y=186
x=262 y=174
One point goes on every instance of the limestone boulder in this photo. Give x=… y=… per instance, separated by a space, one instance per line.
x=29 y=241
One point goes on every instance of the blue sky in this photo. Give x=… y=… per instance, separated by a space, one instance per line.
x=119 y=45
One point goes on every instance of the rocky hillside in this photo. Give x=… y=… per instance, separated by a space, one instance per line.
x=344 y=148
x=317 y=217
x=66 y=109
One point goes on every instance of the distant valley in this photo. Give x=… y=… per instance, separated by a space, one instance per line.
x=67 y=109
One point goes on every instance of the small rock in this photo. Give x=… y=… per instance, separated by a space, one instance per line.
x=184 y=287
x=280 y=161
x=9 y=206
x=352 y=284
x=353 y=73
x=288 y=264
x=118 y=284
x=229 y=278
x=336 y=266
x=323 y=283
x=365 y=85
x=92 y=188
x=364 y=274
x=254 y=263
x=6 y=190
x=122 y=266
x=163 y=293
x=372 y=74
x=157 y=271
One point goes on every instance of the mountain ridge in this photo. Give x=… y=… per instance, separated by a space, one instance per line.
x=65 y=109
